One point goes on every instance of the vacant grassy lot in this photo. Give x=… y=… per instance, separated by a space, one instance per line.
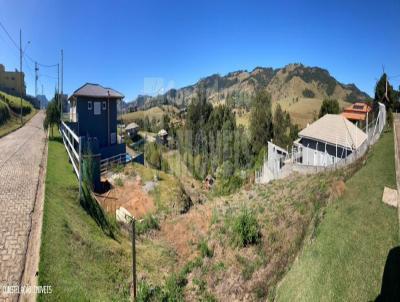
x=78 y=259
x=304 y=110
x=345 y=260
x=154 y=112
x=301 y=112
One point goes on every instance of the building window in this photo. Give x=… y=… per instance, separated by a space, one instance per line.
x=97 y=108
x=89 y=105
x=104 y=106
x=113 y=138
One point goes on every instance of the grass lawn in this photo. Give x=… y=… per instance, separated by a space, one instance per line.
x=345 y=260
x=77 y=258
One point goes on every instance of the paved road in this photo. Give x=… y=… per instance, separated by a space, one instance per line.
x=20 y=157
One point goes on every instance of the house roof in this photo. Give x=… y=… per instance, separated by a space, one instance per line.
x=132 y=126
x=354 y=116
x=359 y=107
x=97 y=91
x=335 y=129
x=357 y=111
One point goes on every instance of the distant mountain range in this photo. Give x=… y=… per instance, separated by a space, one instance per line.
x=290 y=82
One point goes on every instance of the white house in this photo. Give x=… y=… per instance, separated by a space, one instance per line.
x=328 y=140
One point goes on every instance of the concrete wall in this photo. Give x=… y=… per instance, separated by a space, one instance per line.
x=315 y=153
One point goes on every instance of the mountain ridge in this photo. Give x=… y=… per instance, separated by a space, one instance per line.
x=292 y=81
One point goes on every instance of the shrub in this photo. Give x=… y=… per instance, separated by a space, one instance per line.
x=245 y=229
x=229 y=185
x=4 y=113
x=329 y=106
x=149 y=222
x=119 y=182
x=308 y=93
x=173 y=288
x=205 y=251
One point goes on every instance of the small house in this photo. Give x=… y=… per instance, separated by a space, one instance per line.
x=132 y=130
x=93 y=115
x=162 y=137
x=328 y=140
x=357 y=113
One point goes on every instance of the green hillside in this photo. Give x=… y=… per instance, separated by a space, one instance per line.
x=10 y=110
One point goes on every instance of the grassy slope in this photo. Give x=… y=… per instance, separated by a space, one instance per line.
x=14 y=122
x=301 y=112
x=154 y=112
x=346 y=260
x=77 y=259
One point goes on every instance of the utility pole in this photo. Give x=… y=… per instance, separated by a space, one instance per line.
x=134 y=258
x=62 y=82
x=36 y=78
x=58 y=85
x=20 y=69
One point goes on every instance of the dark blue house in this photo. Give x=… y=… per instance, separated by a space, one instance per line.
x=93 y=116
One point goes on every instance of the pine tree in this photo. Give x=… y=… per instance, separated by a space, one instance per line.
x=261 y=128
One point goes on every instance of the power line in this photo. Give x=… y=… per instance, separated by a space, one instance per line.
x=9 y=36
x=47 y=76
x=24 y=53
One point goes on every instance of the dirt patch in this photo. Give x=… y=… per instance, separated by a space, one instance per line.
x=337 y=189
x=185 y=231
x=129 y=195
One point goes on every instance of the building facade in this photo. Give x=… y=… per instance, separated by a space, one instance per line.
x=93 y=115
x=12 y=81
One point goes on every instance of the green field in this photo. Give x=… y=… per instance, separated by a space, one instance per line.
x=346 y=257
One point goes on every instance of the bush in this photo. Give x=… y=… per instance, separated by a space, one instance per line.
x=149 y=222
x=15 y=104
x=329 y=106
x=245 y=229
x=229 y=185
x=205 y=251
x=173 y=288
x=119 y=182
x=153 y=155
x=4 y=113
x=308 y=93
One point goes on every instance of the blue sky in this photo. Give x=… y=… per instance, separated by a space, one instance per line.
x=128 y=44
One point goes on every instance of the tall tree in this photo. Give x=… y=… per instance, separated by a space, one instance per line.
x=329 y=106
x=52 y=116
x=261 y=128
x=388 y=99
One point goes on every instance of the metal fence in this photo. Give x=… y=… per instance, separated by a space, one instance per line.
x=108 y=163
x=281 y=165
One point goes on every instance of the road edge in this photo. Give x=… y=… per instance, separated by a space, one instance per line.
x=32 y=256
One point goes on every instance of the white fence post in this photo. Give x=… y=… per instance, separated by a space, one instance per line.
x=80 y=167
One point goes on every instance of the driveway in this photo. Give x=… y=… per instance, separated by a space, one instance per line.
x=21 y=154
